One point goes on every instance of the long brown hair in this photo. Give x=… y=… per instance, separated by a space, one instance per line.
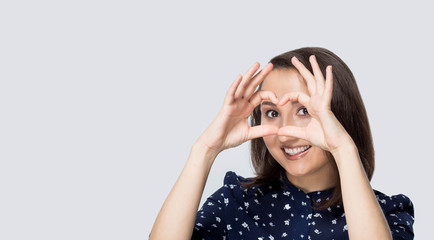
x=347 y=106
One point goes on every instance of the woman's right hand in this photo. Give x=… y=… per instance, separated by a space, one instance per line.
x=230 y=128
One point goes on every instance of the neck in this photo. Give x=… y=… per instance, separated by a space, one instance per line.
x=318 y=181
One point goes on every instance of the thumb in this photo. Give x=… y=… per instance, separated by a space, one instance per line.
x=293 y=131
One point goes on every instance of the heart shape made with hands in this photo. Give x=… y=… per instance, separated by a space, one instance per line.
x=303 y=99
x=242 y=97
x=322 y=130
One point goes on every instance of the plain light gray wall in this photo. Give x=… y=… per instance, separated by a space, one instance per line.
x=100 y=101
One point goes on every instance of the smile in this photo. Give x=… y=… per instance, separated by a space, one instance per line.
x=297 y=152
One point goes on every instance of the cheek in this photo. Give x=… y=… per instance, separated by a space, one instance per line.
x=320 y=155
x=270 y=121
x=268 y=140
x=271 y=143
x=272 y=146
x=301 y=121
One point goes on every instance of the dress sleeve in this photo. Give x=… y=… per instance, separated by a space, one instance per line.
x=210 y=220
x=399 y=213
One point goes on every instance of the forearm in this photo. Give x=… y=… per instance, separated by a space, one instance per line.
x=365 y=219
x=177 y=215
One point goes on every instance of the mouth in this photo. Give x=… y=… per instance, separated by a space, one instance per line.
x=296 y=152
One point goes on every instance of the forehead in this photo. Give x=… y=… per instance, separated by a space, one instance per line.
x=282 y=81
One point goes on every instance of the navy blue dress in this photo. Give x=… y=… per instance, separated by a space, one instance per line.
x=266 y=212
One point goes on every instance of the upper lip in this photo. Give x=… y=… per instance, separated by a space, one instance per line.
x=293 y=147
x=296 y=150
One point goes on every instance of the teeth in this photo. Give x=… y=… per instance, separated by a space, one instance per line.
x=297 y=150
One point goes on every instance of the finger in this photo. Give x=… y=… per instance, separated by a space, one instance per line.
x=232 y=89
x=293 y=131
x=306 y=74
x=318 y=74
x=329 y=83
x=262 y=131
x=247 y=77
x=257 y=79
x=261 y=95
x=300 y=97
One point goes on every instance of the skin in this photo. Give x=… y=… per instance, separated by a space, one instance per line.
x=230 y=128
x=312 y=171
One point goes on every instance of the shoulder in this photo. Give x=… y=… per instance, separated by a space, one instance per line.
x=236 y=186
x=233 y=187
x=394 y=203
x=399 y=213
x=232 y=179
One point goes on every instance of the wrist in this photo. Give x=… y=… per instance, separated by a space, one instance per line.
x=203 y=153
x=344 y=152
x=205 y=144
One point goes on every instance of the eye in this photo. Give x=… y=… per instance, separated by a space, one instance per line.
x=271 y=114
x=302 y=111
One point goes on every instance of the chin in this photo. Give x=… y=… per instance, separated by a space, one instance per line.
x=297 y=172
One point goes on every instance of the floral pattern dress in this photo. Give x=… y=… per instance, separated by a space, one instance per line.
x=267 y=213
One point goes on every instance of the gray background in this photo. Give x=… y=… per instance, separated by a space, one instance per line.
x=100 y=101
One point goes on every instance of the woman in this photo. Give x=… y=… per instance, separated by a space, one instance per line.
x=313 y=155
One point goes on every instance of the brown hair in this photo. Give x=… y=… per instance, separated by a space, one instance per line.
x=347 y=106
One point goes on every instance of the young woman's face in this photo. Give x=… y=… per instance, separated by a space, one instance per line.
x=306 y=166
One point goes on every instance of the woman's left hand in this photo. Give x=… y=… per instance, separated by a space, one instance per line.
x=323 y=130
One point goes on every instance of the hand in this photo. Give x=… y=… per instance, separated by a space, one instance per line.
x=231 y=128
x=323 y=130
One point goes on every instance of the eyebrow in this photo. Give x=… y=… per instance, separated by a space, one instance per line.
x=268 y=103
